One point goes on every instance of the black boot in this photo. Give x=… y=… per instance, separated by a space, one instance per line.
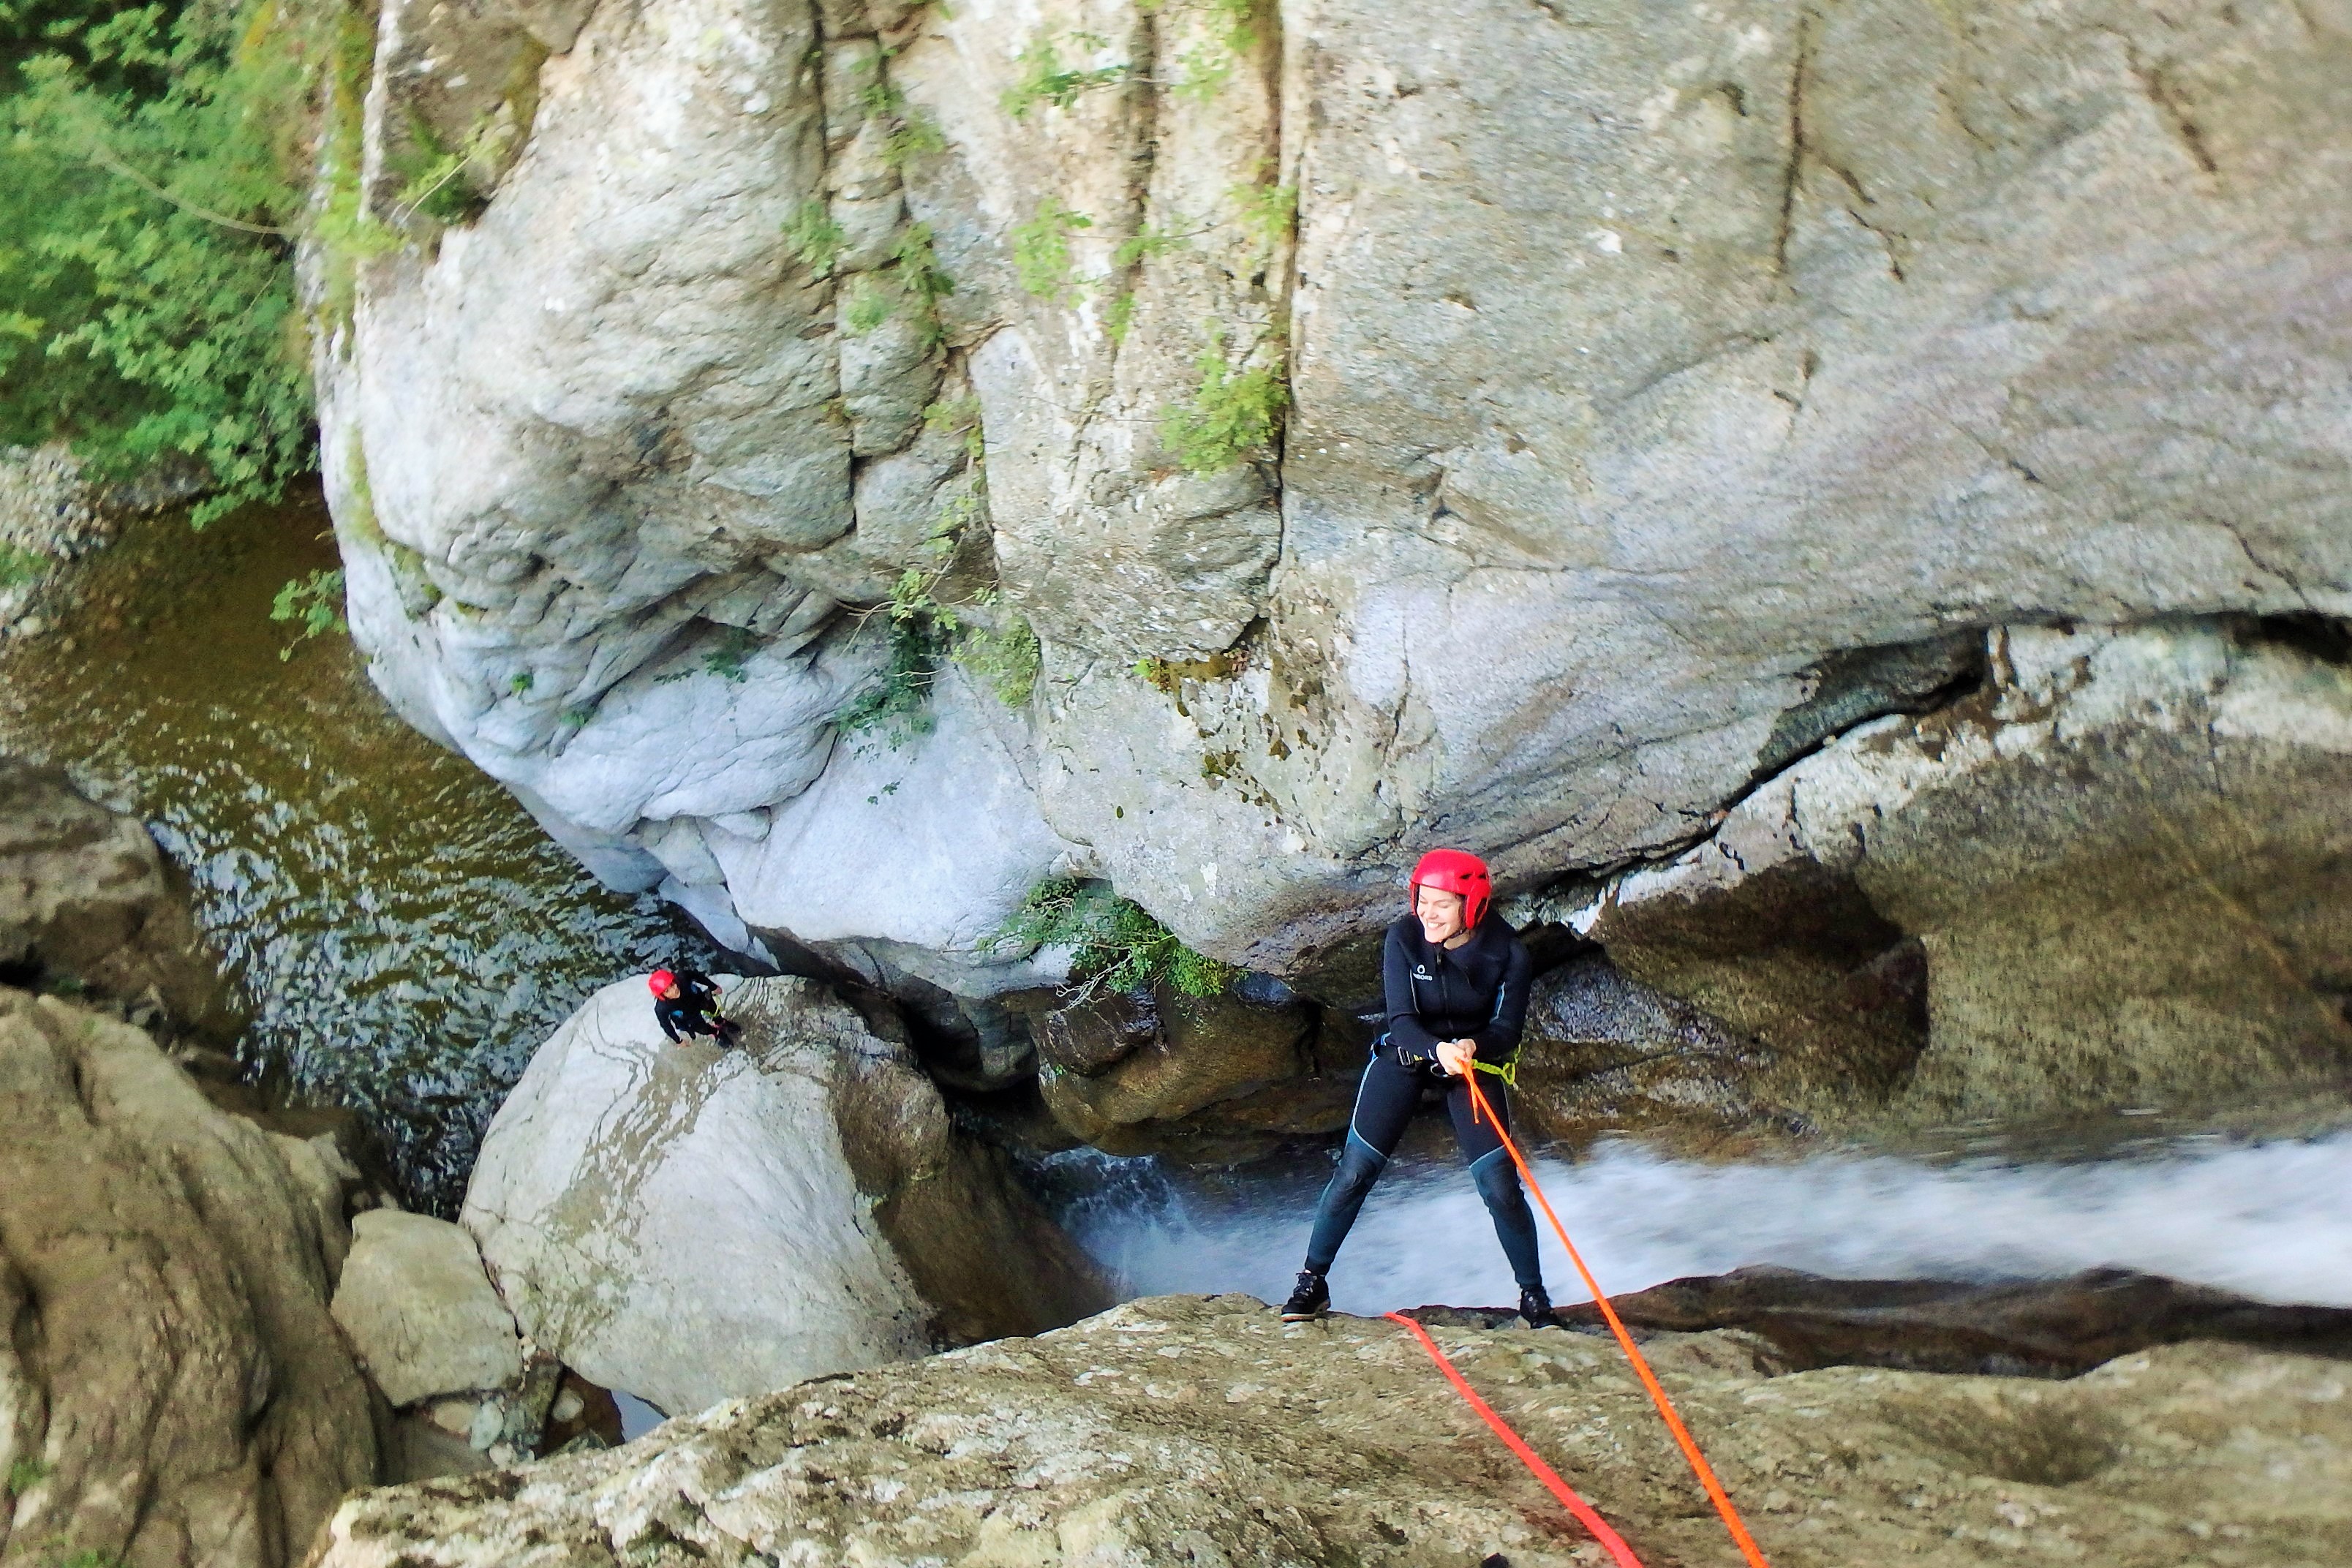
x=1535 y=1305
x=1310 y=1299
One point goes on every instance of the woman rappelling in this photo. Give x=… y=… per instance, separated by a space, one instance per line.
x=1455 y=979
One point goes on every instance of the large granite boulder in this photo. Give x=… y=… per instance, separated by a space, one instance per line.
x=173 y=1389
x=1640 y=397
x=1604 y=1053
x=1185 y=1433
x=687 y=1223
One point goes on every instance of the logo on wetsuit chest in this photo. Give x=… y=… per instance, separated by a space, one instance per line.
x=1420 y=972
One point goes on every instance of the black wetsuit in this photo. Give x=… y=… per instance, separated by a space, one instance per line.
x=1478 y=991
x=687 y=1013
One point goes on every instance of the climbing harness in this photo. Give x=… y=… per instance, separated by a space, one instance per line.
x=1699 y=1467
x=1527 y=1456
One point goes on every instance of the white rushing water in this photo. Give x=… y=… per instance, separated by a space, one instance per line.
x=2272 y=1220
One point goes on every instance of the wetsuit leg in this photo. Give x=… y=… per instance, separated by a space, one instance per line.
x=1497 y=1178
x=1384 y=1104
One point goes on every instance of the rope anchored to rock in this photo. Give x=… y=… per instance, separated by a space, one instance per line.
x=1482 y=1110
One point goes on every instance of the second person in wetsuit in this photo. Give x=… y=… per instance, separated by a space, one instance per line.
x=1455 y=978
x=686 y=1004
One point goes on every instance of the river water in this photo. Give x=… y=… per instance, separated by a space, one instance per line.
x=2267 y=1219
x=401 y=930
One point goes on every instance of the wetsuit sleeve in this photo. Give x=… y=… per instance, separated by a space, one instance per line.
x=1410 y=1038
x=1499 y=1041
x=702 y=990
x=669 y=1028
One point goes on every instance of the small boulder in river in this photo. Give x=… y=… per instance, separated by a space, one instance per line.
x=419 y=1309
x=687 y=1223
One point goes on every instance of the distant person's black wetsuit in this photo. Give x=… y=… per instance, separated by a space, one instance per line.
x=687 y=1012
x=1476 y=992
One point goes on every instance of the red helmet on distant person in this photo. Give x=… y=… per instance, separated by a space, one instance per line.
x=660 y=981
x=1456 y=872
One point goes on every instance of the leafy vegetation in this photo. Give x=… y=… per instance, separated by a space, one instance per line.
x=897 y=706
x=978 y=634
x=314 y=603
x=1209 y=64
x=26 y=1474
x=868 y=307
x=1041 y=248
x=915 y=266
x=156 y=160
x=913 y=134
x=1116 y=944
x=1231 y=418
x=1120 y=317
x=736 y=644
x=1266 y=212
x=816 y=241
x=913 y=273
x=1043 y=78
x=19 y=565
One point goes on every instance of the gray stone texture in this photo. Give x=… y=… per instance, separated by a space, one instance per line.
x=86 y=901
x=419 y=1309
x=171 y=1387
x=1184 y=1432
x=1652 y=371
x=687 y=1224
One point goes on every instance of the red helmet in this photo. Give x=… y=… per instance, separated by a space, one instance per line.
x=660 y=981
x=1457 y=871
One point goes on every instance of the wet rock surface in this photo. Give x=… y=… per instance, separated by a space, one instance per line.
x=685 y=1223
x=2046 y=1328
x=173 y=1389
x=1184 y=1430
x=1603 y=1052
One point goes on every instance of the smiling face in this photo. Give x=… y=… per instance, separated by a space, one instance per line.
x=1440 y=913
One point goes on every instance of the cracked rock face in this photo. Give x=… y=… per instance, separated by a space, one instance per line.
x=1191 y=1432
x=1642 y=365
x=687 y=1223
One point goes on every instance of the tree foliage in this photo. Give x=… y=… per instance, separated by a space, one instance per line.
x=1116 y=944
x=156 y=160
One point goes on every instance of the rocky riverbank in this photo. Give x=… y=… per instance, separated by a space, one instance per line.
x=1196 y=1432
x=219 y=1326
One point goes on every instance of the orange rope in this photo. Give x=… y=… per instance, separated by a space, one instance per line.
x=1527 y=1456
x=1715 y=1492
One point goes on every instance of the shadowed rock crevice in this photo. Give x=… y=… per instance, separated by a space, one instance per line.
x=2059 y=1328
